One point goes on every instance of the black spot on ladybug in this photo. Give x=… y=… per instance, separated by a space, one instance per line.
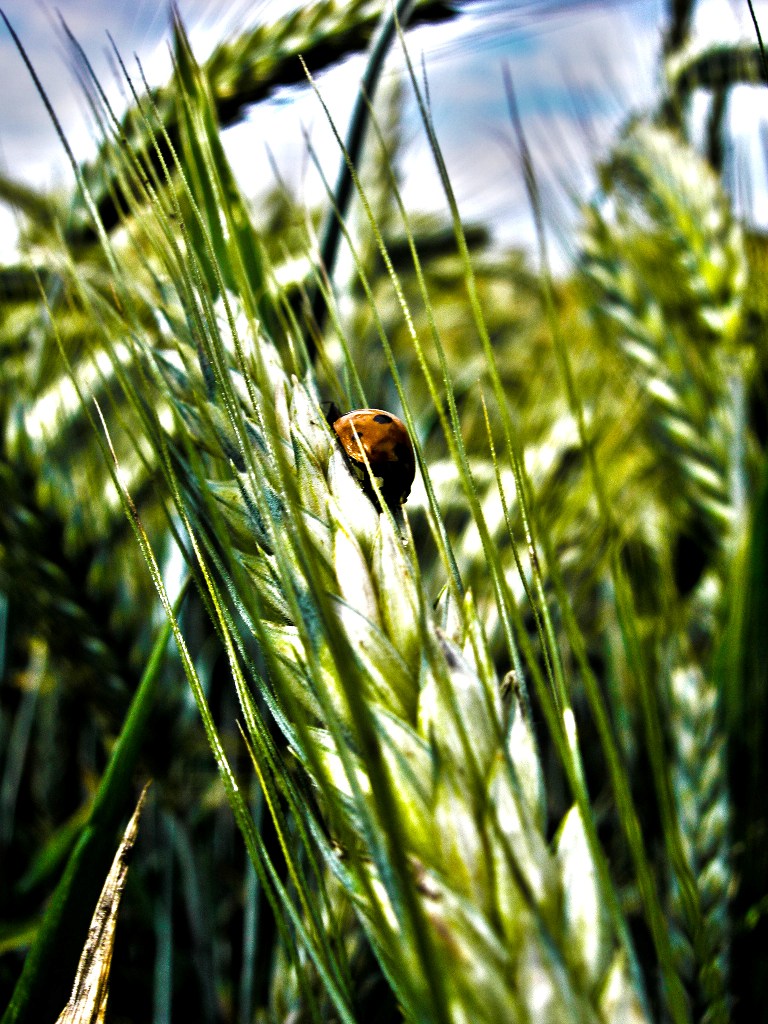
x=382 y=418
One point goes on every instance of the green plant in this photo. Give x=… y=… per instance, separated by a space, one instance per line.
x=476 y=753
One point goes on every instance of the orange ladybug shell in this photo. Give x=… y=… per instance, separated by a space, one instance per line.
x=387 y=446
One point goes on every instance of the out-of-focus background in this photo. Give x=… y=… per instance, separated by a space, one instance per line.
x=579 y=68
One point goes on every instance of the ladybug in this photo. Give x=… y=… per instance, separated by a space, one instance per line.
x=387 y=446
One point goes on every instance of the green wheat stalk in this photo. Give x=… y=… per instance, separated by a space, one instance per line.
x=676 y=316
x=428 y=781
x=703 y=803
x=411 y=742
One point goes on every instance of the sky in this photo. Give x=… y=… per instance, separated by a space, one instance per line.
x=580 y=67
